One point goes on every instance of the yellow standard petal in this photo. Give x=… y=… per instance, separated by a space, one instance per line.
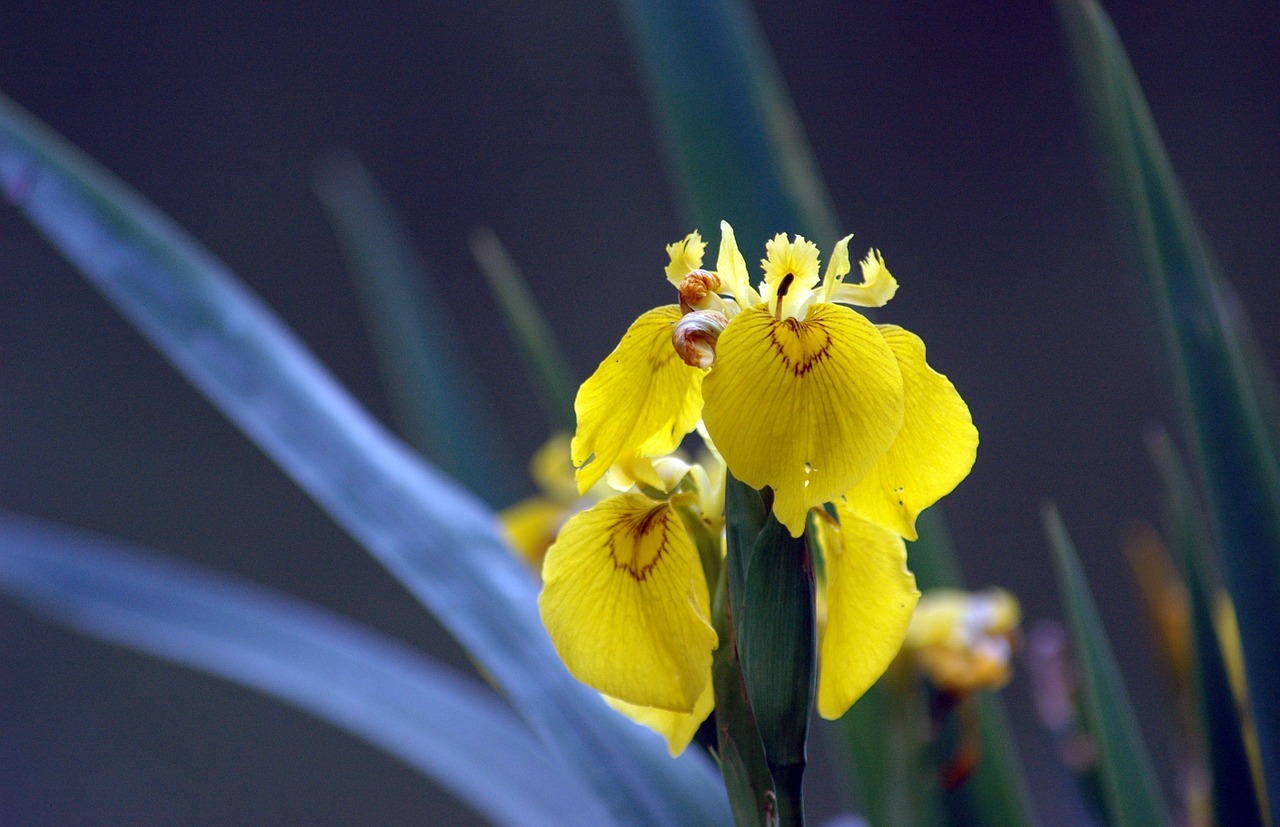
x=731 y=267
x=641 y=400
x=625 y=602
x=878 y=284
x=790 y=274
x=805 y=407
x=685 y=255
x=870 y=598
x=934 y=449
x=677 y=727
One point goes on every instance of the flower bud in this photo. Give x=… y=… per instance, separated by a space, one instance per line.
x=695 y=337
x=698 y=291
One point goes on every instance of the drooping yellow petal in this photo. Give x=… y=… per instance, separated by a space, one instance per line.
x=934 y=449
x=685 y=255
x=625 y=602
x=677 y=727
x=641 y=400
x=806 y=407
x=731 y=267
x=870 y=598
x=878 y=285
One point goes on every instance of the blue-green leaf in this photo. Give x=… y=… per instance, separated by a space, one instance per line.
x=1224 y=420
x=437 y=406
x=1130 y=789
x=441 y=543
x=448 y=727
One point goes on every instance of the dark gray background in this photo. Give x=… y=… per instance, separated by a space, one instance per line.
x=948 y=135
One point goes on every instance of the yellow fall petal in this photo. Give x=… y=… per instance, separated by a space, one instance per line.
x=677 y=727
x=626 y=604
x=933 y=452
x=805 y=407
x=641 y=400
x=870 y=597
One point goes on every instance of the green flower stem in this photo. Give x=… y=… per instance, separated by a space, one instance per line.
x=768 y=603
x=741 y=754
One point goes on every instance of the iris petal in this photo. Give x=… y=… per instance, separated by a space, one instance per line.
x=870 y=598
x=805 y=407
x=677 y=727
x=641 y=400
x=933 y=451
x=626 y=604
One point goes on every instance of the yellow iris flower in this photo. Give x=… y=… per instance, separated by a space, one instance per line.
x=798 y=393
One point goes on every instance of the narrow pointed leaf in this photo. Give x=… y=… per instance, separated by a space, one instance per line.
x=425 y=370
x=1130 y=789
x=1235 y=800
x=733 y=140
x=548 y=367
x=447 y=727
x=1224 y=421
x=441 y=543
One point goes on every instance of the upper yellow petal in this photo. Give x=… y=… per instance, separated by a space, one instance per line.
x=625 y=601
x=685 y=255
x=641 y=400
x=677 y=727
x=870 y=597
x=790 y=274
x=933 y=451
x=731 y=267
x=805 y=407
x=878 y=284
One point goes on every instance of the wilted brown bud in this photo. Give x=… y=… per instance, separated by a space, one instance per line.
x=698 y=291
x=695 y=336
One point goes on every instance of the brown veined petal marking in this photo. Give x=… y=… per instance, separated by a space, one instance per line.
x=626 y=604
x=805 y=407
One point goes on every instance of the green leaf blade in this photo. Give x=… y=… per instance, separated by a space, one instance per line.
x=1209 y=355
x=412 y=519
x=1132 y=794
x=425 y=370
x=733 y=140
x=1235 y=801
x=547 y=364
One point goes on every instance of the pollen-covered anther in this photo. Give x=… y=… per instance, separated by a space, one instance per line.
x=695 y=335
x=698 y=291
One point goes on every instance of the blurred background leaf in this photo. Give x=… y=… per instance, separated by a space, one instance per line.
x=1236 y=798
x=1224 y=422
x=445 y=726
x=1131 y=792
x=439 y=407
x=441 y=543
